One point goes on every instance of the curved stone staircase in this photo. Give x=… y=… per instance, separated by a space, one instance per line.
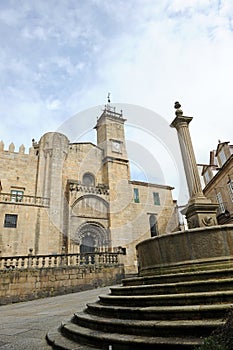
x=170 y=311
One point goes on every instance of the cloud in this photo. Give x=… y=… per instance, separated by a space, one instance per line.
x=58 y=58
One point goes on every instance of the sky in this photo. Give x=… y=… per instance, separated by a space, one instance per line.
x=61 y=57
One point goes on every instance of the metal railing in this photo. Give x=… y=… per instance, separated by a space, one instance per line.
x=24 y=200
x=59 y=260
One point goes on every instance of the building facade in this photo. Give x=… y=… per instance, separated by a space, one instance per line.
x=218 y=180
x=67 y=197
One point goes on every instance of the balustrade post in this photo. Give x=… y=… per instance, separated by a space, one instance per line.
x=22 y=262
x=5 y=263
x=30 y=258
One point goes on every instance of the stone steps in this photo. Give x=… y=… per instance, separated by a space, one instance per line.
x=168 y=299
x=57 y=341
x=147 y=327
x=198 y=275
x=175 y=287
x=173 y=311
x=126 y=341
x=187 y=312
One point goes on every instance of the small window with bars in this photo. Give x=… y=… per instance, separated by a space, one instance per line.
x=156 y=198
x=10 y=220
x=136 y=195
x=16 y=196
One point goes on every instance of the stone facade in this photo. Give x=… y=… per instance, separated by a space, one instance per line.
x=218 y=180
x=78 y=197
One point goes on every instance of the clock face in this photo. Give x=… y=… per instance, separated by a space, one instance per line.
x=116 y=146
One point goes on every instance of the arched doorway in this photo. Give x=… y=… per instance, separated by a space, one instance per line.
x=87 y=244
x=91 y=237
x=87 y=247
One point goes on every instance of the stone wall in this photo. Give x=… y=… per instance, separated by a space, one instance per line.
x=18 y=169
x=29 y=284
x=192 y=249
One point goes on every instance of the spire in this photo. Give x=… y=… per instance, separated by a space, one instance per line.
x=110 y=110
x=109 y=100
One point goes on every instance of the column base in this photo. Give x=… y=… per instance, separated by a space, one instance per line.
x=201 y=214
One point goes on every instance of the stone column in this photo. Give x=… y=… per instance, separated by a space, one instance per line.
x=200 y=210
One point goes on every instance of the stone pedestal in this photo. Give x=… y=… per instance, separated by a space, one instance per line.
x=201 y=214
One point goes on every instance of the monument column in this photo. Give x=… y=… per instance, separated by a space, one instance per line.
x=200 y=210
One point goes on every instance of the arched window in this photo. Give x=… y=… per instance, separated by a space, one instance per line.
x=153 y=225
x=88 y=179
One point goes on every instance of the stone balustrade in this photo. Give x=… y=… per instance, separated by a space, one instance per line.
x=24 y=200
x=59 y=260
x=100 y=189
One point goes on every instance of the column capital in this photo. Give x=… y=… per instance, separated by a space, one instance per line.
x=180 y=120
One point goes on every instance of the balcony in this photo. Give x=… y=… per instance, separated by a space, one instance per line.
x=100 y=189
x=8 y=198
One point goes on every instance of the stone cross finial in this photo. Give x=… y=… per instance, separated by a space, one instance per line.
x=177 y=105
x=179 y=111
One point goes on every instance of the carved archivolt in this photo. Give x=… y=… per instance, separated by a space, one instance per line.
x=97 y=233
x=90 y=206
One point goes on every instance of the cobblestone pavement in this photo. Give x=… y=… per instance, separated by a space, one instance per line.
x=23 y=326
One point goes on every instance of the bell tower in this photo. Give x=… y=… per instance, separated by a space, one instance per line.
x=111 y=138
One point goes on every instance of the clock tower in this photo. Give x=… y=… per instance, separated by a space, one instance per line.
x=111 y=139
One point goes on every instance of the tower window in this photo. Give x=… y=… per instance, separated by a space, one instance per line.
x=16 y=196
x=88 y=179
x=10 y=220
x=136 y=195
x=156 y=198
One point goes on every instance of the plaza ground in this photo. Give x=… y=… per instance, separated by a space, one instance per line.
x=24 y=325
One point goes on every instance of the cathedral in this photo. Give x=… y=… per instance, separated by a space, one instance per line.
x=65 y=197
